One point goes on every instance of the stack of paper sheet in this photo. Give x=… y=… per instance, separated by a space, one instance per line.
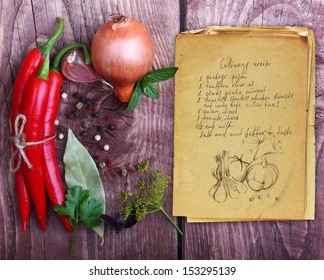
x=244 y=140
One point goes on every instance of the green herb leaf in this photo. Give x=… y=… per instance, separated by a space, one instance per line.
x=150 y=195
x=81 y=170
x=136 y=97
x=151 y=91
x=159 y=75
x=67 y=210
x=80 y=208
x=90 y=212
x=76 y=196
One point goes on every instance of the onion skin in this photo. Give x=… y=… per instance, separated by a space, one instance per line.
x=122 y=52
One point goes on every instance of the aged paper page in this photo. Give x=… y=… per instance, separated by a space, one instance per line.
x=241 y=125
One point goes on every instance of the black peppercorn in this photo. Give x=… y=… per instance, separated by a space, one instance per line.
x=76 y=95
x=101 y=129
x=76 y=113
x=84 y=134
x=62 y=129
x=70 y=115
x=88 y=101
x=112 y=127
x=82 y=99
x=85 y=125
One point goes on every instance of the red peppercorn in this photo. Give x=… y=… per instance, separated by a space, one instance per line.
x=109 y=163
x=108 y=118
x=90 y=107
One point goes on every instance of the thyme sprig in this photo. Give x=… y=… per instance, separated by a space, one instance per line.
x=150 y=195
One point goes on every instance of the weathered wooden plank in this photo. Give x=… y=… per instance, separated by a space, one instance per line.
x=144 y=134
x=263 y=240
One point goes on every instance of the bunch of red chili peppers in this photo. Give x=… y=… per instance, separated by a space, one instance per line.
x=35 y=103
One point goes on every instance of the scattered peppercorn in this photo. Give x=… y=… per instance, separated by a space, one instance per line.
x=85 y=125
x=90 y=107
x=60 y=136
x=56 y=122
x=84 y=134
x=83 y=99
x=95 y=114
x=123 y=172
x=88 y=101
x=76 y=95
x=112 y=127
x=79 y=105
x=101 y=129
x=109 y=163
x=70 y=115
x=102 y=164
x=108 y=118
x=62 y=129
x=97 y=137
x=106 y=147
x=64 y=95
x=76 y=113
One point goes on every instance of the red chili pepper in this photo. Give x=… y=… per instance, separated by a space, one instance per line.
x=53 y=183
x=33 y=128
x=29 y=67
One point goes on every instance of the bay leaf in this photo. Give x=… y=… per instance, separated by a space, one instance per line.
x=81 y=170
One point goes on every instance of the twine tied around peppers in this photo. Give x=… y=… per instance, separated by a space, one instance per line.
x=19 y=139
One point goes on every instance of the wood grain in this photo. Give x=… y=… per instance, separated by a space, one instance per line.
x=144 y=134
x=263 y=240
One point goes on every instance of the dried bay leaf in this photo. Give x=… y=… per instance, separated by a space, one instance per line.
x=81 y=170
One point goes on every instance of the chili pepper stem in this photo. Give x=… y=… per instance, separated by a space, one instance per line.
x=58 y=57
x=46 y=50
x=44 y=70
x=50 y=43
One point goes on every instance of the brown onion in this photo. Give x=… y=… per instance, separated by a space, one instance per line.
x=122 y=52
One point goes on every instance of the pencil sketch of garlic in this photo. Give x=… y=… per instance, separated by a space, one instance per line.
x=226 y=185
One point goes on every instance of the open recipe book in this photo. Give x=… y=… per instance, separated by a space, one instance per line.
x=244 y=139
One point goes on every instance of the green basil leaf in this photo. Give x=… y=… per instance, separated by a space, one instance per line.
x=136 y=97
x=81 y=170
x=159 y=75
x=151 y=91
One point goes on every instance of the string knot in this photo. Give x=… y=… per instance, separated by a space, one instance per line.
x=19 y=140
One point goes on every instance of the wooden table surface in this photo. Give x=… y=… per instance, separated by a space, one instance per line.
x=147 y=133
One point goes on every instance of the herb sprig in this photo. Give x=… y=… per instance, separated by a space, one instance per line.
x=150 y=196
x=147 y=86
x=80 y=209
